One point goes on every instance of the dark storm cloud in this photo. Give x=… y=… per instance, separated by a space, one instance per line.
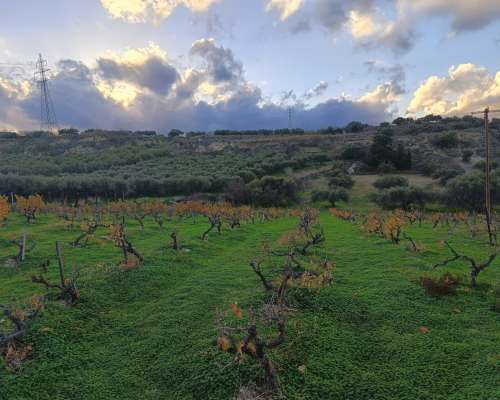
x=154 y=74
x=220 y=62
x=245 y=111
x=76 y=99
x=78 y=103
x=172 y=101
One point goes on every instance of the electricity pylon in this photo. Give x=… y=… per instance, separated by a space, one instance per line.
x=48 y=119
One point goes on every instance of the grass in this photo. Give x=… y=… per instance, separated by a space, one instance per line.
x=147 y=333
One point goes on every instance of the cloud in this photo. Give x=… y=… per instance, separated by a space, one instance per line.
x=467 y=88
x=316 y=91
x=385 y=93
x=77 y=99
x=368 y=23
x=394 y=74
x=155 y=11
x=286 y=8
x=466 y=15
x=336 y=14
x=123 y=91
x=290 y=99
x=12 y=114
x=220 y=63
x=145 y=68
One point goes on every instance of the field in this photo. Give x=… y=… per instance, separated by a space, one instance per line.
x=148 y=332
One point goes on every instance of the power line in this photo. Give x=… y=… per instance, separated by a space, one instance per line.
x=48 y=119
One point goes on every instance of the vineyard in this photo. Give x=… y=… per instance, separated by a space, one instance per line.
x=206 y=300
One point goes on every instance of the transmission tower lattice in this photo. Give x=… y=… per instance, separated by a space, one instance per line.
x=48 y=119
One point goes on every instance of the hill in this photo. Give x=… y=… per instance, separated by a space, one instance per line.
x=125 y=164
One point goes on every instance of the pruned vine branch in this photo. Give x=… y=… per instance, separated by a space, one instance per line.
x=475 y=267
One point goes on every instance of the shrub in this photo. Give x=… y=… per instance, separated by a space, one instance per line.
x=467 y=191
x=353 y=153
x=446 y=140
x=338 y=177
x=445 y=285
x=333 y=196
x=273 y=192
x=355 y=127
x=467 y=155
x=403 y=197
x=319 y=195
x=387 y=182
x=236 y=192
x=481 y=165
x=338 y=194
x=427 y=166
x=446 y=173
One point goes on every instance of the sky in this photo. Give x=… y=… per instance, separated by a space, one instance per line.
x=242 y=64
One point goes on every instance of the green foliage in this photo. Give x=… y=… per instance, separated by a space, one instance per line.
x=333 y=195
x=354 y=153
x=467 y=155
x=382 y=151
x=355 y=127
x=338 y=177
x=403 y=197
x=147 y=333
x=273 y=192
x=467 y=191
x=448 y=140
x=175 y=133
x=113 y=165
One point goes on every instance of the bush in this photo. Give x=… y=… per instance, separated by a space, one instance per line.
x=442 y=286
x=404 y=197
x=175 y=133
x=446 y=173
x=319 y=195
x=333 y=196
x=353 y=153
x=481 y=165
x=236 y=192
x=467 y=191
x=427 y=167
x=355 y=127
x=387 y=182
x=467 y=155
x=273 y=192
x=382 y=152
x=338 y=194
x=446 y=140
x=338 y=177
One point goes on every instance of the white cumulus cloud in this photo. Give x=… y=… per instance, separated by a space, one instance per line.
x=155 y=11
x=467 y=88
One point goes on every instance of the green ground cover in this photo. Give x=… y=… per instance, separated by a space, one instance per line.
x=148 y=333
